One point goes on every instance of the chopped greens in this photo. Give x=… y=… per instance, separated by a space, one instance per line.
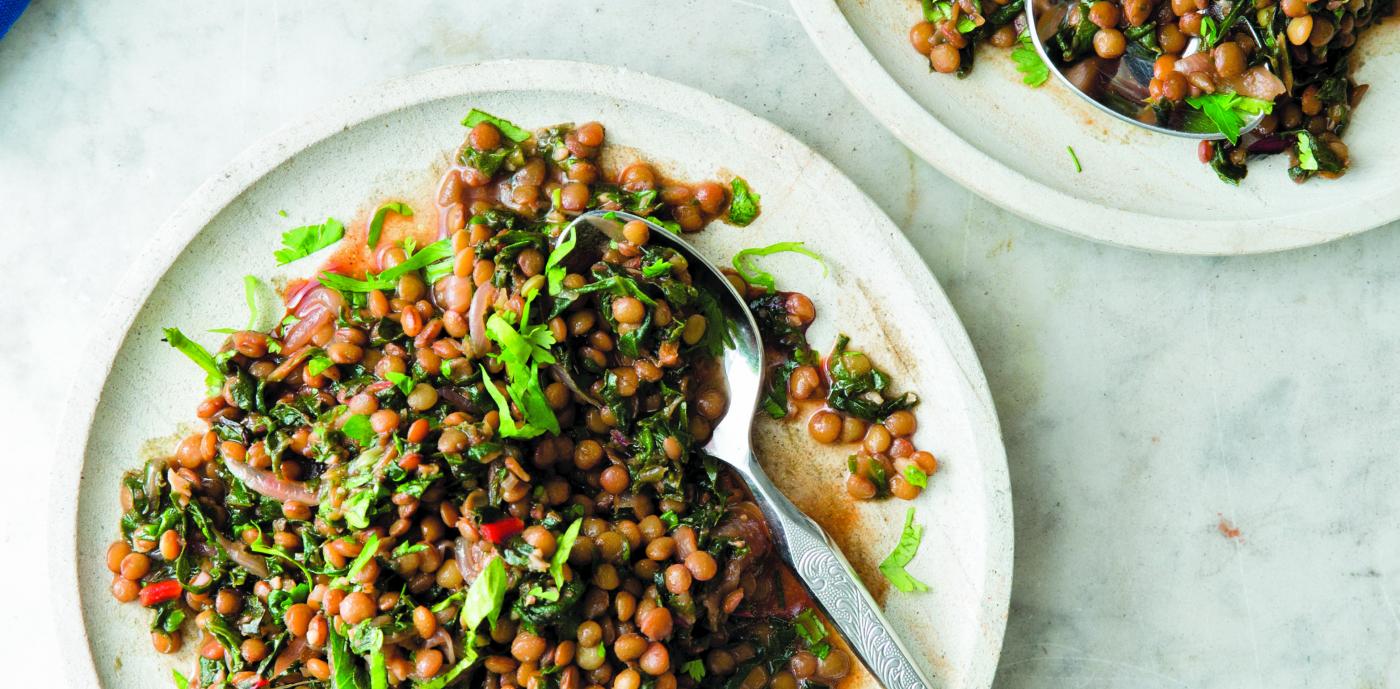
x=1074 y=157
x=303 y=241
x=860 y=389
x=893 y=565
x=752 y=274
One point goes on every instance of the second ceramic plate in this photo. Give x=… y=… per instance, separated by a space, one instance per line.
x=1007 y=142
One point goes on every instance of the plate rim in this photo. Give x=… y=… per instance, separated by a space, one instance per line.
x=209 y=199
x=921 y=132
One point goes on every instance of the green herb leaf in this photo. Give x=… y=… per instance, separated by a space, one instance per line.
x=752 y=274
x=389 y=279
x=378 y=673
x=250 y=293
x=508 y=128
x=376 y=224
x=181 y=681
x=1210 y=32
x=915 y=476
x=656 y=269
x=743 y=208
x=1074 y=157
x=1227 y=111
x=344 y=673
x=367 y=553
x=893 y=566
x=1033 y=69
x=1306 y=159
x=318 y=364
x=552 y=268
x=401 y=381
x=303 y=241
x=465 y=662
x=486 y=595
x=358 y=428
x=561 y=552
x=694 y=668
x=214 y=377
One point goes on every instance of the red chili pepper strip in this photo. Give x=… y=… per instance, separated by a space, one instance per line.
x=160 y=592
x=500 y=531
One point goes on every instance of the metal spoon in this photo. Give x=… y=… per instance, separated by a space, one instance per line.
x=1122 y=83
x=800 y=540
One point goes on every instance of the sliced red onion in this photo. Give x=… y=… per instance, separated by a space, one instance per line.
x=240 y=555
x=476 y=316
x=1256 y=82
x=266 y=483
x=441 y=638
x=316 y=308
x=563 y=376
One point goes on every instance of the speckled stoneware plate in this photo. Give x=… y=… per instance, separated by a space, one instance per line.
x=394 y=142
x=1007 y=142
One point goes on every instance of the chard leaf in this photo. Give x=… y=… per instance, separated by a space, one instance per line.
x=486 y=596
x=214 y=377
x=893 y=565
x=376 y=224
x=752 y=274
x=512 y=132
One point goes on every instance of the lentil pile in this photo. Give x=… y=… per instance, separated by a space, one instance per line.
x=477 y=462
x=1289 y=60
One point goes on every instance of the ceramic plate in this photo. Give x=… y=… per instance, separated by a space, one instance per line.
x=395 y=142
x=1007 y=142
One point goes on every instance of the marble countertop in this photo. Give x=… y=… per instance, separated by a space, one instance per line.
x=1202 y=451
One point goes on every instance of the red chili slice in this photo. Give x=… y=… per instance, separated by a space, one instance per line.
x=160 y=592
x=501 y=530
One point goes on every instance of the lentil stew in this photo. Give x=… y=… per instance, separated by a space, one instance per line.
x=1216 y=64
x=473 y=462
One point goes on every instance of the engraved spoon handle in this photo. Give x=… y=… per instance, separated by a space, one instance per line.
x=835 y=586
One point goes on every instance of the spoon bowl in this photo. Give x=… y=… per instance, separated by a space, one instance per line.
x=1118 y=86
x=801 y=542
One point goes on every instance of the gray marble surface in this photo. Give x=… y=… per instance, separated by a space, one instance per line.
x=1203 y=451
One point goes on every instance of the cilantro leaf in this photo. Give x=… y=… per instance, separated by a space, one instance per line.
x=214 y=377
x=403 y=382
x=743 y=262
x=893 y=565
x=743 y=208
x=300 y=242
x=552 y=268
x=694 y=668
x=1033 y=69
x=1227 y=111
x=389 y=279
x=507 y=127
x=358 y=428
x=376 y=225
x=318 y=364
x=1306 y=159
